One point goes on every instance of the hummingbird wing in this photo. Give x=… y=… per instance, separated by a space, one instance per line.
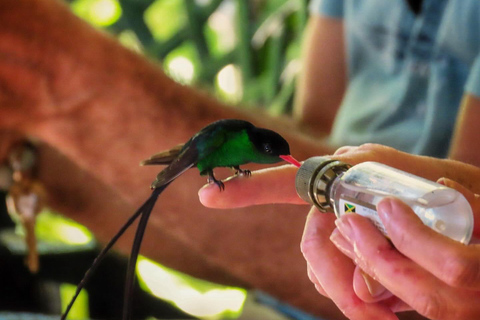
x=189 y=154
x=186 y=159
x=164 y=157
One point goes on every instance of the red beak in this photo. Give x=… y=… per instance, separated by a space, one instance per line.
x=291 y=160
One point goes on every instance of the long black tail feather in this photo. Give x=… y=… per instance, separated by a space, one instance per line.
x=146 y=206
x=137 y=242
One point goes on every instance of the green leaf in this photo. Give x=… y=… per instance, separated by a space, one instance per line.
x=100 y=13
x=164 y=18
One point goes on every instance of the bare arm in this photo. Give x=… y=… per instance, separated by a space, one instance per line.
x=323 y=77
x=465 y=142
x=99 y=109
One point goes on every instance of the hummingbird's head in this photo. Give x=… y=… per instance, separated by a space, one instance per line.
x=270 y=146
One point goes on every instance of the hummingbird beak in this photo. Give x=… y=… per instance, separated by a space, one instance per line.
x=291 y=160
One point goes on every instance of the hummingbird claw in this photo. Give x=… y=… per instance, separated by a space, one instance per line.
x=238 y=171
x=219 y=183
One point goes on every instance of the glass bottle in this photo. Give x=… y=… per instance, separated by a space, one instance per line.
x=330 y=184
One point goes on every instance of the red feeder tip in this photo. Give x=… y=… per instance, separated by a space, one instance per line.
x=291 y=160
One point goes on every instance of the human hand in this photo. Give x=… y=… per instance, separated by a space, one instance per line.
x=277 y=185
x=423 y=270
x=333 y=274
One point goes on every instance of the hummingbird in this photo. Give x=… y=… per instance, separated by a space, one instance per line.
x=224 y=143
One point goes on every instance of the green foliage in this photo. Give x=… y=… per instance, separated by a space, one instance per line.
x=100 y=13
x=80 y=308
x=182 y=63
x=260 y=38
x=199 y=298
x=165 y=18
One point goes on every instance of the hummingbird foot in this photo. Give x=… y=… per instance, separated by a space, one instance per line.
x=238 y=171
x=219 y=183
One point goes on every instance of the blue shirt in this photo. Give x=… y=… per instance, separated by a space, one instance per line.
x=406 y=73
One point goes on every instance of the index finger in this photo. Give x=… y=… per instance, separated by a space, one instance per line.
x=451 y=261
x=272 y=185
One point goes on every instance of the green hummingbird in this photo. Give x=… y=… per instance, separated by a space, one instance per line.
x=224 y=143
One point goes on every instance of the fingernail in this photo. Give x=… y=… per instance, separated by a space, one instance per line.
x=446 y=182
x=345 y=228
x=341 y=243
x=442 y=181
x=374 y=287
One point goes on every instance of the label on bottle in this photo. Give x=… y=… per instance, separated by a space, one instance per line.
x=349 y=205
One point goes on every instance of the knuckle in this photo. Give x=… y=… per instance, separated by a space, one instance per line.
x=461 y=271
x=433 y=305
x=344 y=150
x=401 y=240
x=377 y=149
x=430 y=305
x=368 y=146
x=350 y=308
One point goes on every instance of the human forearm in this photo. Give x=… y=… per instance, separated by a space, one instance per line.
x=322 y=79
x=104 y=108
x=102 y=105
x=465 y=144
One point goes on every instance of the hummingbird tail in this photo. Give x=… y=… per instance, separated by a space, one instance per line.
x=137 y=242
x=107 y=248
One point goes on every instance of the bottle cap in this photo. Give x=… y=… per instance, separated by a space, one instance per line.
x=314 y=178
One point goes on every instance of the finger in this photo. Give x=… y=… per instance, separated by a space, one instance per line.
x=368 y=152
x=344 y=149
x=453 y=262
x=396 y=304
x=364 y=286
x=403 y=277
x=386 y=155
x=314 y=280
x=342 y=244
x=367 y=288
x=272 y=185
x=334 y=270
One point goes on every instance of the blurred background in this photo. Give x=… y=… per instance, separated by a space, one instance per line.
x=244 y=52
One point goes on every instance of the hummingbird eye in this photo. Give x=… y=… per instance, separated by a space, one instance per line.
x=267 y=148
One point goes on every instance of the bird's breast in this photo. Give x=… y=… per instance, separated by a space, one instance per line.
x=235 y=151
